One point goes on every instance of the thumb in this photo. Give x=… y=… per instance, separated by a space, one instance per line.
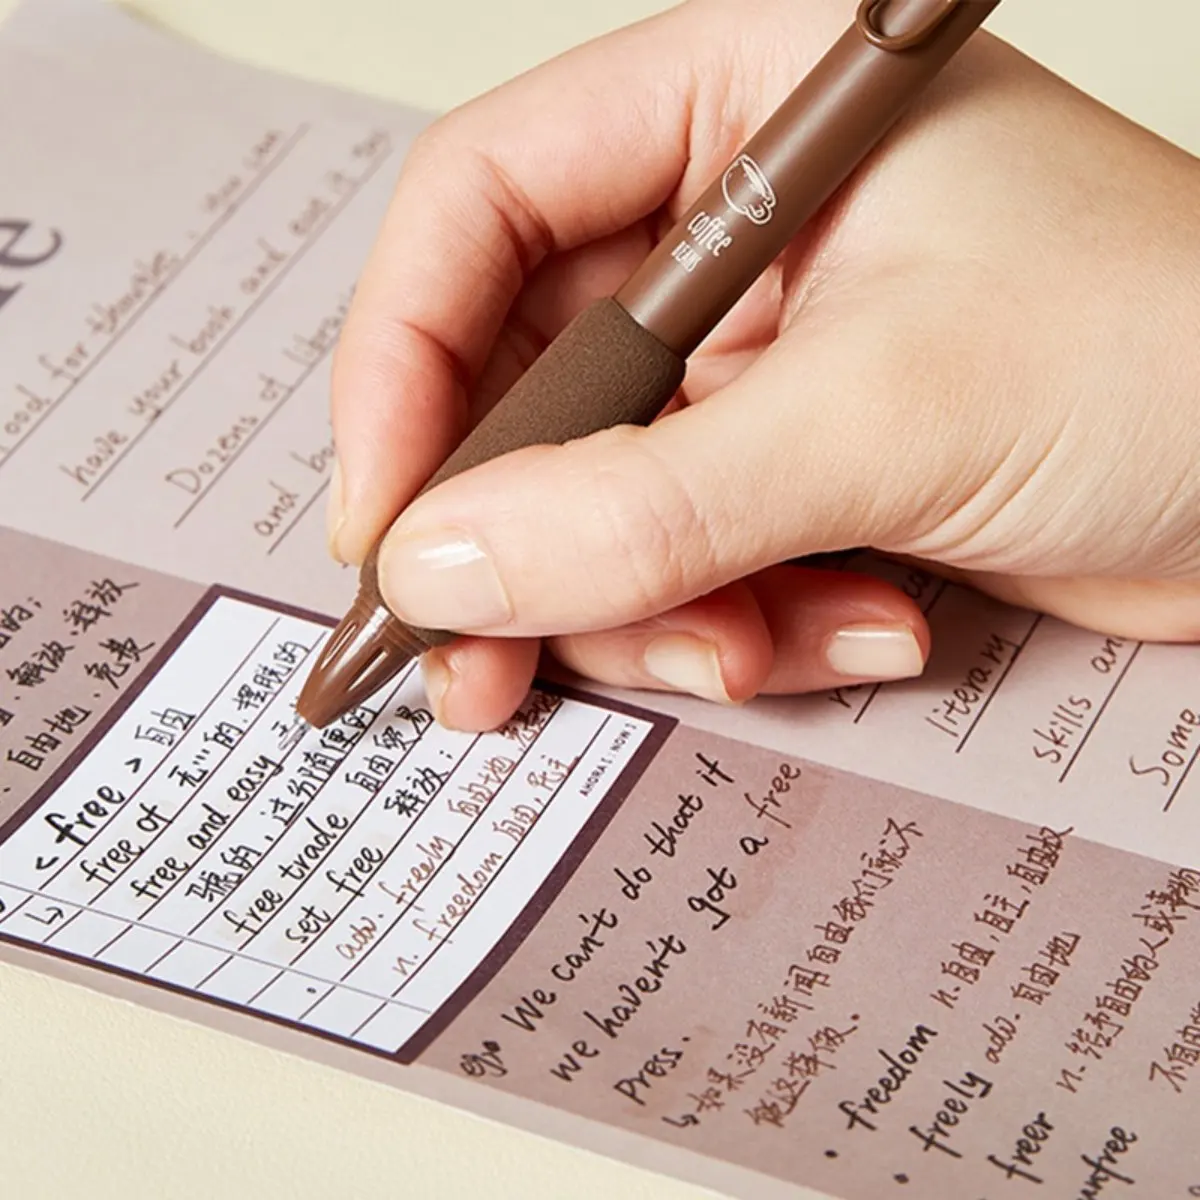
x=627 y=523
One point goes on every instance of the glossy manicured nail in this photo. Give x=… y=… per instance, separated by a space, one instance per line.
x=437 y=676
x=442 y=579
x=878 y=652
x=335 y=512
x=686 y=664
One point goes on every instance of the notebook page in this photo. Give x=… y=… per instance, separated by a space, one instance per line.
x=928 y=939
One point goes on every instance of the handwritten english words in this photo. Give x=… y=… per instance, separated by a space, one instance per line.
x=298 y=357
x=322 y=178
x=1019 y=1162
x=227 y=443
x=956 y=712
x=963 y=1091
x=740 y=1067
x=1062 y=730
x=226 y=194
x=959 y=1098
x=1101 y=1165
x=708 y=894
x=1058 y=736
x=1039 y=979
x=105 y=320
x=1167 y=763
x=315 y=883
x=286 y=493
x=609 y=1017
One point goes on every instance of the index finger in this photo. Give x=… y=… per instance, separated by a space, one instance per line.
x=573 y=151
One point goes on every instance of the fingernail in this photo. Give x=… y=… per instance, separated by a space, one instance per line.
x=442 y=580
x=335 y=511
x=875 y=652
x=437 y=676
x=686 y=664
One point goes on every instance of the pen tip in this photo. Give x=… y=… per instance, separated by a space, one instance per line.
x=295 y=733
x=366 y=651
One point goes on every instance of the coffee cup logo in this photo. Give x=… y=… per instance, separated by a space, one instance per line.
x=747 y=191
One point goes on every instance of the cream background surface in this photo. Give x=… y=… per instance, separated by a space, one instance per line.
x=104 y=1100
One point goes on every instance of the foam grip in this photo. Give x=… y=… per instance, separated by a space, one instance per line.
x=603 y=370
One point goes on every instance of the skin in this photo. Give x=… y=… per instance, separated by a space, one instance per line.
x=982 y=357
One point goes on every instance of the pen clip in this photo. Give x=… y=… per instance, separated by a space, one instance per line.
x=867 y=21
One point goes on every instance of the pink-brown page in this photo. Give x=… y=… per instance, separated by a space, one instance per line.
x=929 y=940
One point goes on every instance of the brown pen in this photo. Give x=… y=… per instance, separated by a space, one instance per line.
x=622 y=359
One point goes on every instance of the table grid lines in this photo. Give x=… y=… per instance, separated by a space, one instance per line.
x=313 y=836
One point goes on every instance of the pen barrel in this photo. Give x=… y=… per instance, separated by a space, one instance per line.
x=622 y=359
x=602 y=371
x=791 y=167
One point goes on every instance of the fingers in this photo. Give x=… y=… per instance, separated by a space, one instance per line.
x=784 y=630
x=575 y=151
x=476 y=685
x=562 y=287
x=617 y=527
x=718 y=647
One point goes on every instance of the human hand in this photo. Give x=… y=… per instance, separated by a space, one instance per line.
x=980 y=357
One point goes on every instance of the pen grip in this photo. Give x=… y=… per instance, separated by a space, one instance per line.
x=602 y=371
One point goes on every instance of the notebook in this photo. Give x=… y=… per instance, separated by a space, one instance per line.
x=925 y=940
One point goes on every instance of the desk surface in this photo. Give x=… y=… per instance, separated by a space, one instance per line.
x=105 y=1100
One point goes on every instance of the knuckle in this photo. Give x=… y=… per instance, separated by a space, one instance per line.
x=441 y=160
x=495 y=221
x=432 y=144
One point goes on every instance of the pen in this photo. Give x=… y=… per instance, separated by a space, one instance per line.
x=623 y=358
